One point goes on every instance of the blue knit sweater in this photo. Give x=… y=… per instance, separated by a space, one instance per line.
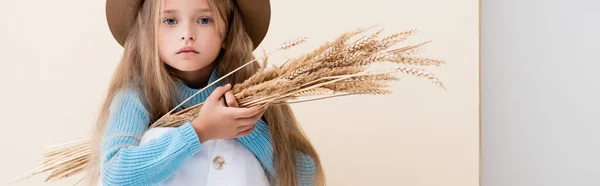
x=125 y=162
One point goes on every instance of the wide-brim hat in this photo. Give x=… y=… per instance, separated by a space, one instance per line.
x=256 y=15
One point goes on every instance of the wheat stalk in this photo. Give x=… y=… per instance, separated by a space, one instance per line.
x=334 y=69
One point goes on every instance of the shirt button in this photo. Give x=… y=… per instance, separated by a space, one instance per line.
x=218 y=162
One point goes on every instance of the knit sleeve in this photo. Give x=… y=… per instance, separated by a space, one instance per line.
x=125 y=162
x=259 y=143
x=305 y=169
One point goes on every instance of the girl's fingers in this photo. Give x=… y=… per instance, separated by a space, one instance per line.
x=250 y=120
x=263 y=110
x=247 y=121
x=244 y=112
x=242 y=128
x=218 y=93
x=231 y=102
x=221 y=102
x=259 y=108
x=246 y=132
x=240 y=113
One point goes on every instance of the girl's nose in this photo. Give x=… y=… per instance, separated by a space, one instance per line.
x=187 y=32
x=187 y=37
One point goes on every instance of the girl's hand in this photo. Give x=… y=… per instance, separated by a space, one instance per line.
x=219 y=121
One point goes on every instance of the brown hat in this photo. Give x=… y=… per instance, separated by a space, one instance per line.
x=256 y=15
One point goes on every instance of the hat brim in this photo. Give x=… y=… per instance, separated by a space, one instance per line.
x=256 y=15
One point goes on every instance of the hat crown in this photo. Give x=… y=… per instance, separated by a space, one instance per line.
x=256 y=17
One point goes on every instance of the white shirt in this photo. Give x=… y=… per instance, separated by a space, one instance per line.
x=218 y=163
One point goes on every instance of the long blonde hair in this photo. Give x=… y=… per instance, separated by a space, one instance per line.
x=141 y=60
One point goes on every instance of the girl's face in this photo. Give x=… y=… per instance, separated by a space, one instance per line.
x=188 y=38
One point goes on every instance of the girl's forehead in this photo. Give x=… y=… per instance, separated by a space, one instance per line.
x=185 y=5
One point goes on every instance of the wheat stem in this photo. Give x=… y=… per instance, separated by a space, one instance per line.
x=314 y=99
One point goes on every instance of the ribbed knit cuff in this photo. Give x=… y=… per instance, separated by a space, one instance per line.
x=190 y=137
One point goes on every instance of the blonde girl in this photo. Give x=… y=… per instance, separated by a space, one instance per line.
x=172 y=49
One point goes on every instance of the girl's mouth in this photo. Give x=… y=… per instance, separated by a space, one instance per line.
x=187 y=50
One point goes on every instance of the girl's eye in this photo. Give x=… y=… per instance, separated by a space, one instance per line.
x=170 y=21
x=204 y=20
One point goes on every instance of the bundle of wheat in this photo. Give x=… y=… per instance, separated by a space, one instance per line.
x=336 y=68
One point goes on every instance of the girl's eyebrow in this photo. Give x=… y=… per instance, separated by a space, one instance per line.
x=203 y=10
x=197 y=10
x=169 y=11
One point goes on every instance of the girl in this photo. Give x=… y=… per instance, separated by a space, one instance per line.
x=172 y=48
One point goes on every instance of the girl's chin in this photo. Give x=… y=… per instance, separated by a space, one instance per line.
x=188 y=66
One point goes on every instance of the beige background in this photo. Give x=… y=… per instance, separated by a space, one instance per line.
x=57 y=58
